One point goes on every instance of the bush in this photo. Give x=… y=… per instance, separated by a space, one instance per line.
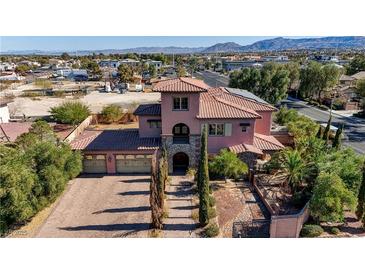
x=335 y=230
x=59 y=93
x=212 y=213
x=111 y=113
x=71 y=112
x=211 y=201
x=228 y=165
x=211 y=231
x=311 y=231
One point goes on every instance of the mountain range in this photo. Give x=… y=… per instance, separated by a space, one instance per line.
x=275 y=44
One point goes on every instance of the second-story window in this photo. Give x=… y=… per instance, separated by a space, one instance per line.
x=180 y=103
x=154 y=123
x=216 y=129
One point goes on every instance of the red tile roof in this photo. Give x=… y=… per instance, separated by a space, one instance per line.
x=148 y=109
x=243 y=101
x=114 y=140
x=214 y=106
x=266 y=142
x=10 y=131
x=260 y=143
x=181 y=84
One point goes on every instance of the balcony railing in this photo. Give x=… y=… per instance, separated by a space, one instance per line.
x=180 y=139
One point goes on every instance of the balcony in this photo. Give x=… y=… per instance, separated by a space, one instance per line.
x=177 y=140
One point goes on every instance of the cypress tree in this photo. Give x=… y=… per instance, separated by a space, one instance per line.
x=337 y=141
x=326 y=133
x=203 y=180
x=361 y=199
x=320 y=132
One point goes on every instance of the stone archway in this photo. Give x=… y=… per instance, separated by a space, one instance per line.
x=180 y=162
x=181 y=134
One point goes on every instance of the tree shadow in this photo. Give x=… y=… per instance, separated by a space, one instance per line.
x=135 y=180
x=185 y=207
x=180 y=227
x=123 y=209
x=134 y=193
x=110 y=227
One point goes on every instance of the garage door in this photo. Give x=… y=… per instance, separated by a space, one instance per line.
x=94 y=164
x=133 y=163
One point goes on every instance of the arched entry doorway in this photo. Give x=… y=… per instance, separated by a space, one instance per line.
x=180 y=162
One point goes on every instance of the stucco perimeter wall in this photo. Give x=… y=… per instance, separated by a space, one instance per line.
x=79 y=129
x=283 y=226
x=288 y=226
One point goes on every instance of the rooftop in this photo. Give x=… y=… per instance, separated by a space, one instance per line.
x=360 y=75
x=260 y=143
x=181 y=84
x=148 y=109
x=127 y=139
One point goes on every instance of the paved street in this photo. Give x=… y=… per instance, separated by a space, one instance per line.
x=354 y=127
x=213 y=79
x=105 y=207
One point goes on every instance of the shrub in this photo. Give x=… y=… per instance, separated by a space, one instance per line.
x=311 y=231
x=228 y=165
x=211 y=231
x=335 y=230
x=195 y=215
x=71 y=112
x=191 y=172
x=211 y=201
x=111 y=113
x=212 y=213
x=59 y=93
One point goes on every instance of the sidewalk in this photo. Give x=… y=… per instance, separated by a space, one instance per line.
x=179 y=223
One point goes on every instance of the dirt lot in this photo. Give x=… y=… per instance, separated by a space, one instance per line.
x=104 y=207
x=95 y=100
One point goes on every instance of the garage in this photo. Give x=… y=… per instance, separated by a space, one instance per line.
x=94 y=164
x=130 y=163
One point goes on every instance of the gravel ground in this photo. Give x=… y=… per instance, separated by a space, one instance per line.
x=104 y=207
x=95 y=100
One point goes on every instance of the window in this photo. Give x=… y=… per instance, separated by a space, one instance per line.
x=216 y=129
x=180 y=103
x=154 y=123
x=244 y=126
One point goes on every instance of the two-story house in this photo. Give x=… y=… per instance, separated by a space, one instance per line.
x=235 y=119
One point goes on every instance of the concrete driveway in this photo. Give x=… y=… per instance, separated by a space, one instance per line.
x=107 y=206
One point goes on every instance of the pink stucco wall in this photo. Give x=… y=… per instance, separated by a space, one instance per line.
x=216 y=143
x=263 y=125
x=144 y=127
x=170 y=118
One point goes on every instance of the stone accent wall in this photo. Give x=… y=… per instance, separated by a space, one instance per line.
x=249 y=158
x=192 y=149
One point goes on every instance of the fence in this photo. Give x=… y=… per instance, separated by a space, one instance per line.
x=78 y=130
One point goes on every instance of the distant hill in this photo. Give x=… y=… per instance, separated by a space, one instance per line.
x=276 y=44
x=346 y=42
x=223 y=47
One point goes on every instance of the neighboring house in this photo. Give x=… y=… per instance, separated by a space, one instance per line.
x=109 y=63
x=359 y=76
x=9 y=131
x=156 y=64
x=236 y=120
x=130 y=62
x=73 y=74
x=11 y=77
x=346 y=80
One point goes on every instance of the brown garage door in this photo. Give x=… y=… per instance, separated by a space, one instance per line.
x=133 y=163
x=94 y=164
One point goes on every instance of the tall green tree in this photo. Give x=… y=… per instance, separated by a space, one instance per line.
x=356 y=64
x=294 y=72
x=203 y=180
x=125 y=73
x=360 y=89
x=360 y=210
x=326 y=132
x=337 y=140
x=270 y=83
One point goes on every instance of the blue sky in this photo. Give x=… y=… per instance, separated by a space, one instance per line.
x=72 y=43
